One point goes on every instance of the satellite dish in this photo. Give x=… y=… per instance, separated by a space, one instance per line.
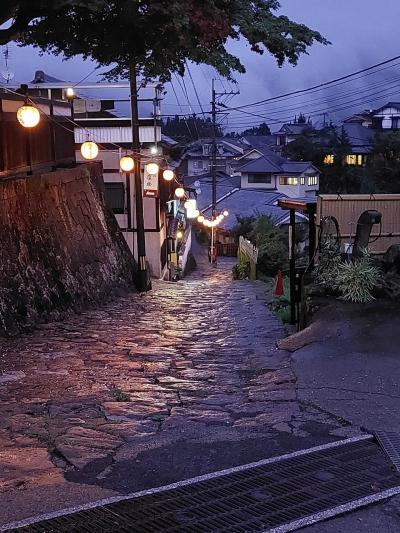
x=7 y=75
x=197 y=184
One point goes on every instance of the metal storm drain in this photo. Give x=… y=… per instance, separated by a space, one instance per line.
x=277 y=495
x=390 y=443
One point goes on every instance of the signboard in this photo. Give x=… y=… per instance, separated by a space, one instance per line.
x=86 y=106
x=150 y=185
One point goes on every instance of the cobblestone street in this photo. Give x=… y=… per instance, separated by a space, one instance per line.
x=146 y=391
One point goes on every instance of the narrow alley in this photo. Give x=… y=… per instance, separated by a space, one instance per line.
x=148 y=390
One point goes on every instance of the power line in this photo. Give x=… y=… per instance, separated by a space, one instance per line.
x=321 y=85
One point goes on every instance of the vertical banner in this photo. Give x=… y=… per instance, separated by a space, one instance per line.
x=150 y=185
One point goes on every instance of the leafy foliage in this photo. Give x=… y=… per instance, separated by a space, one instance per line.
x=354 y=280
x=261 y=129
x=158 y=36
x=185 y=130
x=241 y=270
x=384 y=170
x=357 y=279
x=272 y=245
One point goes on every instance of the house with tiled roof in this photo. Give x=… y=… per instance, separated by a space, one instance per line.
x=386 y=117
x=295 y=179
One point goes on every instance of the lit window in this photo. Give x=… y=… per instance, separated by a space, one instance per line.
x=302 y=181
x=355 y=159
x=312 y=180
x=351 y=159
x=329 y=159
x=288 y=181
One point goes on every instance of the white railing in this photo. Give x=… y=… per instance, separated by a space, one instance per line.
x=248 y=249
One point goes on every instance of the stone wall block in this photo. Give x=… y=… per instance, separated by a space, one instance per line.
x=60 y=247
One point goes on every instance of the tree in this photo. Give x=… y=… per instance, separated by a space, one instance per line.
x=188 y=129
x=156 y=35
x=384 y=169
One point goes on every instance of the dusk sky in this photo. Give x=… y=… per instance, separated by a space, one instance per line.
x=362 y=32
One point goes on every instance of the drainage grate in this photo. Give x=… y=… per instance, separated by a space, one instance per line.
x=390 y=443
x=273 y=495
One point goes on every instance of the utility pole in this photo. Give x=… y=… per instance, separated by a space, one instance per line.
x=213 y=255
x=214 y=96
x=143 y=283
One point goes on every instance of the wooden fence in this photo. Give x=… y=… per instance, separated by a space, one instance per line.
x=250 y=252
x=49 y=144
x=348 y=208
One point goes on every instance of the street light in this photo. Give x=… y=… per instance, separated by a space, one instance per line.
x=168 y=175
x=28 y=116
x=89 y=150
x=152 y=168
x=127 y=163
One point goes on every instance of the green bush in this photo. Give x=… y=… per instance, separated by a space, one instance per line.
x=241 y=270
x=356 y=280
x=272 y=246
x=353 y=280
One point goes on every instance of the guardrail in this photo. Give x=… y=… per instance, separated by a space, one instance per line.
x=250 y=252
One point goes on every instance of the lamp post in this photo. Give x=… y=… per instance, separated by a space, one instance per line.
x=143 y=282
x=127 y=164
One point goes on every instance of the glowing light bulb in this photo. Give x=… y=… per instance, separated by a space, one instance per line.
x=225 y=213
x=28 y=116
x=168 y=175
x=179 y=234
x=152 y=168
x=70 y=93
x=200 y=219
x=180 y=192
x=127 y=163
x=89 y=150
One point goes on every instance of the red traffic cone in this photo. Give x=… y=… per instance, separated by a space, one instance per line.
x=279 y=285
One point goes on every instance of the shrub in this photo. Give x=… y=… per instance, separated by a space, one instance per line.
x=241 y=270
x=272 y=246
x=353 y=280
x=356 y=280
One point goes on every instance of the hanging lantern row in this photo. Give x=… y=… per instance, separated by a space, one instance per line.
x=212 y=223
x=29 y=117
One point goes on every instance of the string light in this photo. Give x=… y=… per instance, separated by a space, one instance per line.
x=200 y=219
x=89 y=150
x=180 y=192
x=152 y=168
x=225 y=213
x=168 y=175
x=28 y=116
x=127 y=163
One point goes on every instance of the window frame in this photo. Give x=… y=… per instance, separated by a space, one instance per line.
x=252 y=178
x=116 y=187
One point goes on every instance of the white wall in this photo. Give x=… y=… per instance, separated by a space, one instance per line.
x=387 y=113
x=154 y=239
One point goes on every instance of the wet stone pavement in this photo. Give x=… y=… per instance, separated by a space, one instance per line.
x=148 y=390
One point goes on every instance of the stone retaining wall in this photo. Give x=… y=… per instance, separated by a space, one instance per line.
x=60 y=247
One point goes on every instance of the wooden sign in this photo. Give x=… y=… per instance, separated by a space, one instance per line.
x=150 y=185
